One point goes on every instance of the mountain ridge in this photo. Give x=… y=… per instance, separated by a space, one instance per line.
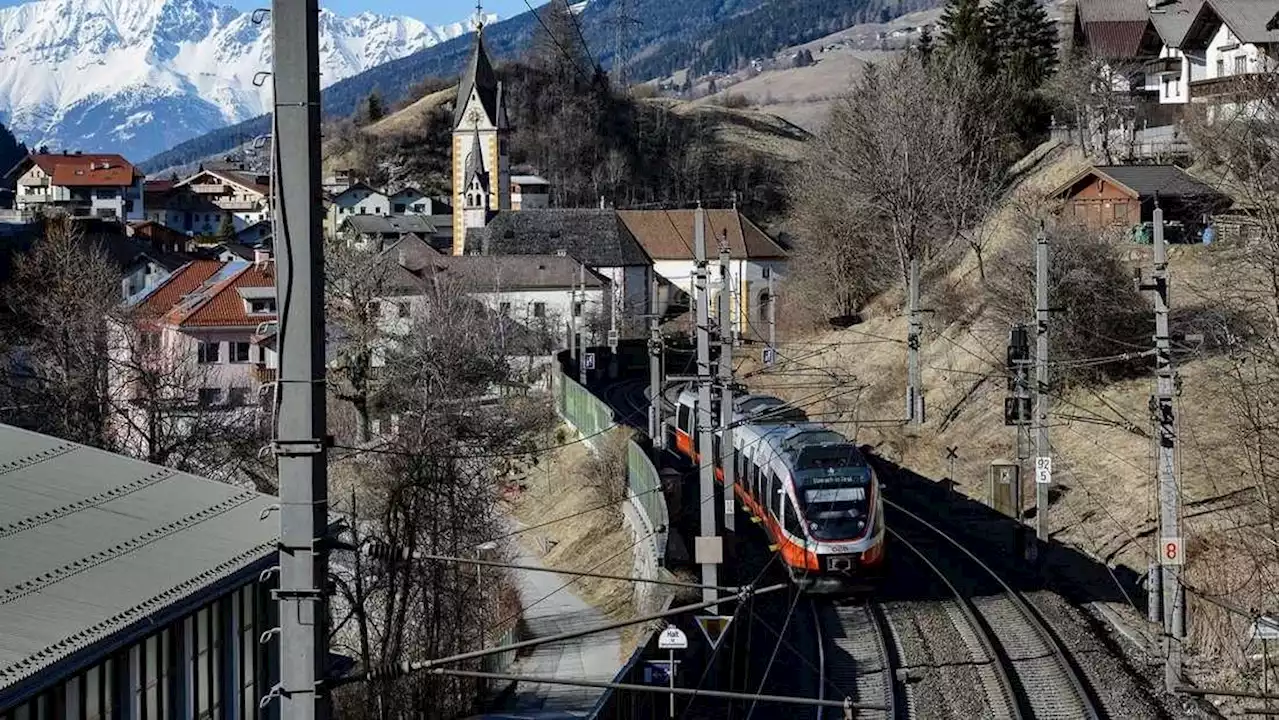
x=139 y=76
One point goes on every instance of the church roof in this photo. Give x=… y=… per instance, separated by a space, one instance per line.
x=598 y=238
x=479 y=76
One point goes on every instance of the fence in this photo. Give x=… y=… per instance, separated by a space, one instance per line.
x=591 y=417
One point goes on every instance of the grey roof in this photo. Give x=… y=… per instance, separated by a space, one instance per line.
x=475 y=162
x=505 y=273
x=596 y=237
x=1147 y=180
x=479 y=75
x=1092 y=11
x=94 y=546
x=1173 y=18
x=389 y=224
x=1249 y=20
x=413 y=252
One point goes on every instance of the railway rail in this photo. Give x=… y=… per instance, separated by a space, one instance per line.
x=855 y=656
x=1034 y=675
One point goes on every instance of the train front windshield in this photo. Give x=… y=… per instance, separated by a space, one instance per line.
x=834 y=488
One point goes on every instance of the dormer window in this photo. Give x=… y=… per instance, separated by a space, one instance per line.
x=261 y=306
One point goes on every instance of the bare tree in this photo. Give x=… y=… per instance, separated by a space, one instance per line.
x=60 y=294
x=909 y=159
x=1098 y=97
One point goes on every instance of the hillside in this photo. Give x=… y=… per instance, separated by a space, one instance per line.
x=1101 y=434
x=661 y=37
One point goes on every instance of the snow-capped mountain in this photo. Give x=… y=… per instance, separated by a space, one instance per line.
x=139 y=76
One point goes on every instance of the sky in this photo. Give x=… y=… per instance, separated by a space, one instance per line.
x=432 y=12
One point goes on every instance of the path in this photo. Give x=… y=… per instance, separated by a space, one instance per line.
x=551 y=609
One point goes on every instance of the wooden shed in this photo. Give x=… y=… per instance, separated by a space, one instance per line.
x=1105 y=196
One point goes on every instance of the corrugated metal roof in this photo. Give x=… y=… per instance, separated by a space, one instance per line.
x=92 y=543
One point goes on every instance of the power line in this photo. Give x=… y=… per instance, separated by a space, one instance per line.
x=554 y=39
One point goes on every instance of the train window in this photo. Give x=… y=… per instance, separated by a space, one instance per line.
x=682 y=419
x=790 y=521
x=821 y=458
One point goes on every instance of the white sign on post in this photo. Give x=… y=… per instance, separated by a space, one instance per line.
x=1044 y=470
x=673 y=638
x=1171 y=551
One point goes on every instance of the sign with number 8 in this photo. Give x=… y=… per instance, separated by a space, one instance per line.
x=1171 y=551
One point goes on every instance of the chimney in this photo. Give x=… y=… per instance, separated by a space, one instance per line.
x=261 y=256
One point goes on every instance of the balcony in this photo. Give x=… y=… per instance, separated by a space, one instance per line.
x=34 y=182
x=1245 y=86
x=237 y=205
x=208 y=188
x=263 y=374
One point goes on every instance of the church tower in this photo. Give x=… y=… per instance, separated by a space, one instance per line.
x=481 y=168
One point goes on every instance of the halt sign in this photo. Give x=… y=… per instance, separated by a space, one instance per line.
x=673 y=638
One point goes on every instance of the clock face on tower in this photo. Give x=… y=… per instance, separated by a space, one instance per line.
x=474 y=117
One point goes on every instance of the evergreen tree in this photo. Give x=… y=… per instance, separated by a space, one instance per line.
x=924 y=45
x=11 y=151
x=226 y=230
x=375 y=110
x=711 y=87
x=964 y=25
x=1023 y=39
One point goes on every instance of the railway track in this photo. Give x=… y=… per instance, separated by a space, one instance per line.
x=1025 y=669
x=856 y=658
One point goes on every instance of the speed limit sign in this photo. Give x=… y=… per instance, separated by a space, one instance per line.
x=1171 y=551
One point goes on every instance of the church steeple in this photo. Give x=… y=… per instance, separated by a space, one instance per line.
x=481 y=169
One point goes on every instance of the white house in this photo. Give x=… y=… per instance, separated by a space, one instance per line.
x=82 y=185
x=358 y=199
x=530 y=192
x=232 y=188
x=597 y=238
x=1211 y=46
x=667 y=237
x=412 y=201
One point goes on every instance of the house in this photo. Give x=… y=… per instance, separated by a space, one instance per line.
x=597 y=238
x=205 y=316
x=539 y=291
x=182 y=209
x=376 y=231
x=234 y=189
x=1117 y=31
x=530 y=192
x=258 y=233
x=1230 y=51
x=159 y=236
x=129 y=590
x=358 y=199
x=1104 y=196
x=98 y=185
x=667 y=238
x=410 y=200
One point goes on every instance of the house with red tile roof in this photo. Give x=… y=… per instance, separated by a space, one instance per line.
x=101 y=185
x=207 y=317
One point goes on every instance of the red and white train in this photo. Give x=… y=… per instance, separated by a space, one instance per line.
x=811 y=490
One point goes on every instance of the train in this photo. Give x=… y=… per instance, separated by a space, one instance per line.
x=810 y=489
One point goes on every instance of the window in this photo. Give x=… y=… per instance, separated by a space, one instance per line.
x=208 y=352
x=399 y=208
x=363 y=210
x=1221 y=67
x=419 y=207
x=238 y=396
x=539 y=310
x=402 y=309
x=577 y=309
x=239 y=352
x=150 y=342
x=504 y=308
x=209 y=396
x=1242 y=65
x=1119 y=211
x=790 y=521
x=262 y=306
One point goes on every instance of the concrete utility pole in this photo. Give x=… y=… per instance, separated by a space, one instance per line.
x=1171 y=548
x=1044 y=464
x=300 y=422
x=772 y=314
x=708 y=550
x=580 y=308
x=915 y=397
x=655 y=371
x=726 y=381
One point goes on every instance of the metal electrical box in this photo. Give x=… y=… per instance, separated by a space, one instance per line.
x=1004 y=488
